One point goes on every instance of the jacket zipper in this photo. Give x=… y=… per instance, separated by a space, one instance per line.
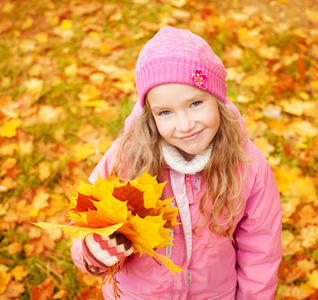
x=189 y=189
x=169 y=247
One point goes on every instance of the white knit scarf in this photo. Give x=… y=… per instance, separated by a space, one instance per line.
x=175 y=160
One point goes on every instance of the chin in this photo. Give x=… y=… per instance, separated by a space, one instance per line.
x=188 y=155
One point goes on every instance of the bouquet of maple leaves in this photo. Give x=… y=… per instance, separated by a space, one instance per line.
x=133 y=208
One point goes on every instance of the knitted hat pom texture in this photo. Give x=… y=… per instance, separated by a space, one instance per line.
x=179 y=56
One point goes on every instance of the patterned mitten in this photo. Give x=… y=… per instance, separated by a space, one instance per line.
x=103 y=252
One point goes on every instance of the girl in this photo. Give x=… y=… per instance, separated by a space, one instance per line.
x=185 y=130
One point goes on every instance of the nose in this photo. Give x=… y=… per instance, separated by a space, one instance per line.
x=185 y=124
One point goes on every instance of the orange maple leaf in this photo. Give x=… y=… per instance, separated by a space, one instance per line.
x=133 y=208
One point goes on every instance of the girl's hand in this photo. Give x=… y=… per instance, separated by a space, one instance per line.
x=101 y=253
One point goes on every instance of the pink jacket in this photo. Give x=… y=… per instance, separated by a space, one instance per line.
x=213 y=267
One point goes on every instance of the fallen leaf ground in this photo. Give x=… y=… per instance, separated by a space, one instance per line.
x=67 y=84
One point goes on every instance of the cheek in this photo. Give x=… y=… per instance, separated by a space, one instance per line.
x=213 y=120
x=217 y=121
x=164 y=129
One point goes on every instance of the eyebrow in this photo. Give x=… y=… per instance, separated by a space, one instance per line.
x=158 y=109
x=193 y=98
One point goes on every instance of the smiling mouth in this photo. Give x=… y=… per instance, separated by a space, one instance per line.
x=191 y=136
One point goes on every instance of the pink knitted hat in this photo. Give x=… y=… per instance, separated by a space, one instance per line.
x=179 y=56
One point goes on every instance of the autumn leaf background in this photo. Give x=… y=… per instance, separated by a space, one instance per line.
x=67 y=84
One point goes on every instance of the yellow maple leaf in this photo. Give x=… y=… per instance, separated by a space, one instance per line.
x=133 y=208
x=97 y=78
x=42 y=37
x=269 y=52
x=44 y=170
x=264 y=145
x=66 y=24
x=71 y=70
x=5 y=278
x=284 y=177
x=278 y=127
x=49 y=114
x=40 y=201
x=257 y=80
x=105 y=144
x=306 y=265
x=13 y=291
x=93 y=103
x=312 y=15
x=83 y=151
x=303 y=186
x=308 y=215
x=34 y=85
x=293 y=106
x=313 y=279
x=249 y=38
x=125 y=86
x=304 y=128
x=27 y=23
x=89 y=92
x=7 y=7
x=309 y=236
x=9 y=129
x=19 y=272
x=287 y=237
x=300 y=292
x=7 y=184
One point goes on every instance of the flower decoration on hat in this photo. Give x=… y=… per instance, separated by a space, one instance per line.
x=199 y=79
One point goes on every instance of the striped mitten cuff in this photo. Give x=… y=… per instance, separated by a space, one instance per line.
x=104 y=252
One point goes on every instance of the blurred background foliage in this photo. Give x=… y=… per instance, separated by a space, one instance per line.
x=67 y=85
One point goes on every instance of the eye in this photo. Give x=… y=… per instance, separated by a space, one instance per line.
x=164 y=113
x=196 y=103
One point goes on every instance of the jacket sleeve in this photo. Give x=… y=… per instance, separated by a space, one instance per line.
x=258 y=236
x=78 y=257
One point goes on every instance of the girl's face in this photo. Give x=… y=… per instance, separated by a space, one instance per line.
x=186 y=117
